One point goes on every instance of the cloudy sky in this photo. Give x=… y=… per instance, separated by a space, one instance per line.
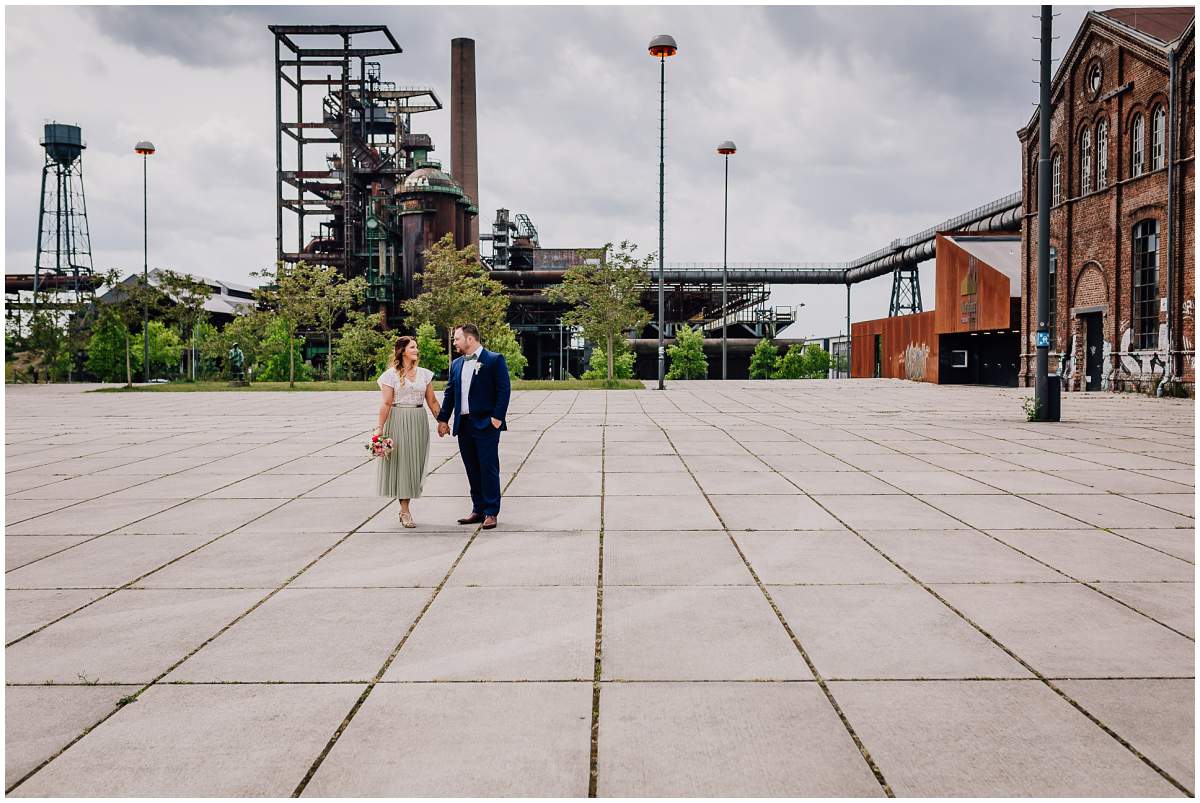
x=854 y=125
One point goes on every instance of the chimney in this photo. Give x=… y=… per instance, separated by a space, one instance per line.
x=464 y=130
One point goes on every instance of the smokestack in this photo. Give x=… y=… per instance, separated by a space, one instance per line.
x=464 y=130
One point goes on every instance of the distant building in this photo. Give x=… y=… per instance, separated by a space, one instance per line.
x=1122 y=220
x=226 y=301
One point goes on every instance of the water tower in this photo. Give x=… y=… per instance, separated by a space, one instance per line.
x=64 y=246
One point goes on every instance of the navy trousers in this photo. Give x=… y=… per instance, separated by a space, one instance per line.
x=480 y=450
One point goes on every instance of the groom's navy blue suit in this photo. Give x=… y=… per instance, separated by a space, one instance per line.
x=478 y=439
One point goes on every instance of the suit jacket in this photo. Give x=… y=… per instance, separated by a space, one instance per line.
x=490 y=390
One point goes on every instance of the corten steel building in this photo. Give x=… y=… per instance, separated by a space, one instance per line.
x=1122 y=221
x=969 y=337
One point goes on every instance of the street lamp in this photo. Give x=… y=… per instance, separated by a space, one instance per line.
x=661 y=47
x=726 y=148
x=144 y=149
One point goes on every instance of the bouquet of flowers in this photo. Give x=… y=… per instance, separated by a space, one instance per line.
x=379 y=446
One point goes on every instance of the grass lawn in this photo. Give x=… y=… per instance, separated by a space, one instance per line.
x=211 y=387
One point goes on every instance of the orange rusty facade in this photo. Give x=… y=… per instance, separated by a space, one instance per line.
x=971 y=296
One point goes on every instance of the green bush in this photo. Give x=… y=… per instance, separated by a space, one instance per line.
x=687 y=354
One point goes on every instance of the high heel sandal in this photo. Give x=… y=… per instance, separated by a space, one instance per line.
x=406 y=520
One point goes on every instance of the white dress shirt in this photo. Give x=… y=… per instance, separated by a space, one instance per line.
x=465 y=376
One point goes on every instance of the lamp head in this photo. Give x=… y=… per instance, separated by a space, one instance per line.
x=663 y=45
x=144 y=148
x=727 y=147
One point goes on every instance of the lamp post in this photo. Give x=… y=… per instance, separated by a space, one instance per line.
x=725 y=149
x=144 y=149
x=661 y=47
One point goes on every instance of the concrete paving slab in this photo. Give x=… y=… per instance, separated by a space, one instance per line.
x=18 y=510
x=695 y=633
x=833 y=556
x=657 y=464
x=128 y=637
x=934 y=482
x=202 y=516
x=555 y=485
x=463 y=740
x=900 y=632
x=990 y=739
x=105 y=562
x=792 y=461
x=887 y=513
x=21 y=549
x=266 y=486
x=742 y=512
x=1013 y=512
x=25 y=611
x=386 y=560
x=697 y=557
x=726 y=740
x=1180 y=542
x=667 y=483
x=93 y=517
x=546 y=633
x=1155 y=716
x=243 y=560
x=530 y=559
x=41 y=720
x=1173 y=604
x=1182 y=503
x=175 y=487
x=1109 y=510
x=839 y=482
x=543 y=514
x=1067 y=630
x=301 y=635
x=202 y=741
x=750 y=483
x=1091 y=555
x=959 y=556
x=318 y=515
x=675 y=512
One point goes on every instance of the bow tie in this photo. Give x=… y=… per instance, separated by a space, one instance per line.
x=469 y=357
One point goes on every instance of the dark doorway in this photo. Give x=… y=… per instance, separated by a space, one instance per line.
x=1093 y=349
x=983 y=358
x=878 y=356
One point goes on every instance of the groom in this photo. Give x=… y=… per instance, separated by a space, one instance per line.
x=477 y=393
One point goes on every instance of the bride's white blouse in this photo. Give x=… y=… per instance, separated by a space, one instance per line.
x=406 y=391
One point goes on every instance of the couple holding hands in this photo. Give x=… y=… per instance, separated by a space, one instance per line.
x=476 y=395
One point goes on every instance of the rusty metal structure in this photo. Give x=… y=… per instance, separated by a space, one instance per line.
x=374 y=201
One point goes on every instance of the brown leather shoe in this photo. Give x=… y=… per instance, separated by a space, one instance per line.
x=489 y=523
x=474 y=518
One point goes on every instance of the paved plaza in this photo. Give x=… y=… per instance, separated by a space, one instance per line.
x=847 y=588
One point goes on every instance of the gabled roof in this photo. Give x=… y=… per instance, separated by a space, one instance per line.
x=1164 y=24
x=1139 y=26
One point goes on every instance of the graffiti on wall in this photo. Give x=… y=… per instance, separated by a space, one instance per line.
x=1067 y=360
x=915 y=357
x=1137 y=367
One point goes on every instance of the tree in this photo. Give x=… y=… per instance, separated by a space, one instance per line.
x=623 y=360
x=165 y=348
x=189 y=295
x=280 y=356
x=816 y=362
x=687 y=354
x=791 y=365
x=106 y=348
x=130 y=301
x=433 y=356
x=295 y=293
x=202 y=334
x=764 y=361
x=455 y=290
x=247 y=329
x=605 y=294
x=505 y=342
x=359 y=341
x=335 y=297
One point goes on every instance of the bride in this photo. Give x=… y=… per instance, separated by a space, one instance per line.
x=407 y=389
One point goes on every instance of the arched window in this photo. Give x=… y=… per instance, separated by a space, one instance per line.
x=1137 y=146
x=1102 y=154
x=1085 y=162
x=1158 y=137
x=1052 y=296
x=1145 y=284
x=1056 y=180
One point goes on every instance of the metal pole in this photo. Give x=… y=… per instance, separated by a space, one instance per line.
x=849 y=341
x=662 y=129
x=1043 y=239
x=725 y=278
x=145 y=270
x=561 y=374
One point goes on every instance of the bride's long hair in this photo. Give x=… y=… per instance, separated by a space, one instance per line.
x=398 y=354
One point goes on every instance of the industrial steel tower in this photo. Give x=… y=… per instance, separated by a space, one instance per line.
x=64 y=248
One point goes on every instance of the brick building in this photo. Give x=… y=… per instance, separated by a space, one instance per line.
x=1122 y=220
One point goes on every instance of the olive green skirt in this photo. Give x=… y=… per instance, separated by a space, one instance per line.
x=401 y=474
